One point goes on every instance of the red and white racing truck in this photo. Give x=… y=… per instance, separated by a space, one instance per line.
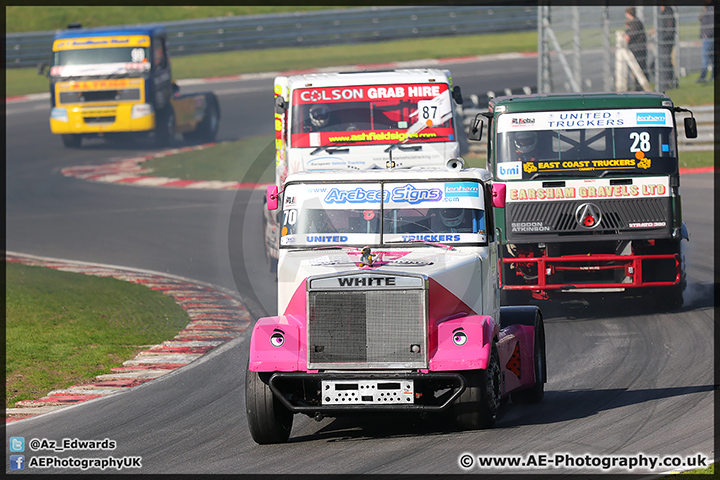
x=388 y=300
x=362 y=120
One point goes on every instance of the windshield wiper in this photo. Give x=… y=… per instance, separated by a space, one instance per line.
x=426 y=242
x=331 y=148
x=403 y=147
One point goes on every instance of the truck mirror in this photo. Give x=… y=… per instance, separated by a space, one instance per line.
x=476 y=128
x=175 y=89
x=457 y=95
x=41 y=68
x=280 y=105
x=690 y=127
x=272 y=197
x=498 y=195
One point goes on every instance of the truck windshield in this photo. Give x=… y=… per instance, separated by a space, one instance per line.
x=585 y=143
x=94 y=56
x=371 y=114
x=382 y=213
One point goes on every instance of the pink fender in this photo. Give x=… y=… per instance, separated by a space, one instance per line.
x=290 y=356
x=522 y=336
x=473 y=354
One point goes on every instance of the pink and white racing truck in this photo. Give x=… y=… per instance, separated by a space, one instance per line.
x=388 y=300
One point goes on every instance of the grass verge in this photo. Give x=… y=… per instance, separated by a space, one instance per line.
x=66 y=328
x=23 y=81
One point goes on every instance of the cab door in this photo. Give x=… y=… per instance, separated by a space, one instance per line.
x=160 y=73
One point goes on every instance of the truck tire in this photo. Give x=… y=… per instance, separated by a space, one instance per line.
x=268 y=419
x=478 y=405
x=165 y=126
x=71 y=140
x=536 y=392
x=208 y=128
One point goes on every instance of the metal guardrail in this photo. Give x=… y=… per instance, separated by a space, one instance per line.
x=318 y=28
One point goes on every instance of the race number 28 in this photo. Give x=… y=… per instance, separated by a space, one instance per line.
x=641 y=141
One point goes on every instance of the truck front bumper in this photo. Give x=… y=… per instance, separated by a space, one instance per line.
x=98 y=119
x=543 y=270
x=303 y=392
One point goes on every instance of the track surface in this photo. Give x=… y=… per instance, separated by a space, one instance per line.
x=622 y=380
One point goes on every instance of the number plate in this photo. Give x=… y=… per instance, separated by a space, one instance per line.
x=367 y=392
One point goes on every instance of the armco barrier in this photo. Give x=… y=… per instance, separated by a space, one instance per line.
x=325 y=27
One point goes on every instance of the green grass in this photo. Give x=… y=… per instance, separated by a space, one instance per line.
x=23 y=81
x=250 y=160
x=66 y=328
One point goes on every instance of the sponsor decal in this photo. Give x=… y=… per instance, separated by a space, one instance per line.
x=101 y=42
x=413 y=195
x=509 y=170
x=523 y=122
x=432 y=238
x=582 y=119
x=600 y=191
x=366 y=281
x=356 y=195
x=367 y=93
x=651 y=118
x=529 y=227
x=462 y=189
x=646 y=224
x=326 y=238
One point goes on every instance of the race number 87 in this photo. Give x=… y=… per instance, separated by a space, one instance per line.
x=428 y=110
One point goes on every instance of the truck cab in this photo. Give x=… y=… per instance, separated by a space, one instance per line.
x=388 y=300
x=111 y=81
x=359 y=121
x=591 y=193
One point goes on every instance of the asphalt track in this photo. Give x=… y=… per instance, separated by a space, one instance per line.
x=624 y=380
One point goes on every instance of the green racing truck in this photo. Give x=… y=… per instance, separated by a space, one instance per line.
x=589 y=193
x=116 y=81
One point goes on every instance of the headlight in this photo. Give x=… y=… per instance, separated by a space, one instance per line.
x=141 y=110
x=59 y=114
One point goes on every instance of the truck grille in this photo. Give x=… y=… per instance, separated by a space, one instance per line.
x=89 y=96
x=540 y=219
x=380 y=327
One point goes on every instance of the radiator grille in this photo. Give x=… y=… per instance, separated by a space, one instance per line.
x=559 y=217
x=367 y=328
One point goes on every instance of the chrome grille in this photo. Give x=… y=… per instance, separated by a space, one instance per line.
x=372 y=327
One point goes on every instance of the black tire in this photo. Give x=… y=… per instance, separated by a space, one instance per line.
x=208 y=128
x=268 y=419
x=165 y=126
x=478 y=405
x=672 y=297
x=71 y=140
x=536 y=393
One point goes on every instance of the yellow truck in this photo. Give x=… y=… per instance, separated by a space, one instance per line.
x=115 y=81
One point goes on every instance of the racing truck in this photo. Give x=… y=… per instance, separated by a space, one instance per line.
x=362 y=120
x=589 y=194
x=115 y=82
x=388 y=301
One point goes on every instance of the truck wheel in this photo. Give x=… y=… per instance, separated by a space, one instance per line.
x=537 y=391
x=268 y=419
x=71 y=140
x=477 y=407
x=165 y=126
x=208 y=128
